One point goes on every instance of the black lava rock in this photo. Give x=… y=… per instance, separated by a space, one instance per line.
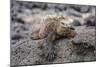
x=17 y=37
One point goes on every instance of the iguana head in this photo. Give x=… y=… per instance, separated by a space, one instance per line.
x=65 y=28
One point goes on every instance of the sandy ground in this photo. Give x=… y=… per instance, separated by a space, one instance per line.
x=25 y=51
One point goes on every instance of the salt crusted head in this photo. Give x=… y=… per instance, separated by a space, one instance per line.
x=66 y=22
x=65 y=28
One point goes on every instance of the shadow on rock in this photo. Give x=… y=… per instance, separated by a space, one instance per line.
x=82 y=48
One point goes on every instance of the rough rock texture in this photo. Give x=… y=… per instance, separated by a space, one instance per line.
x=25 y=51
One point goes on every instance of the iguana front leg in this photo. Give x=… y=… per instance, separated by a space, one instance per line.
x=52 y=37
x=35 y=35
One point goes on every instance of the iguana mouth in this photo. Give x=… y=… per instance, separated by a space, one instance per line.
x=72 y=28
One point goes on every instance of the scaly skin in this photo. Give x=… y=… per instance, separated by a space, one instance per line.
x=52 y=29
